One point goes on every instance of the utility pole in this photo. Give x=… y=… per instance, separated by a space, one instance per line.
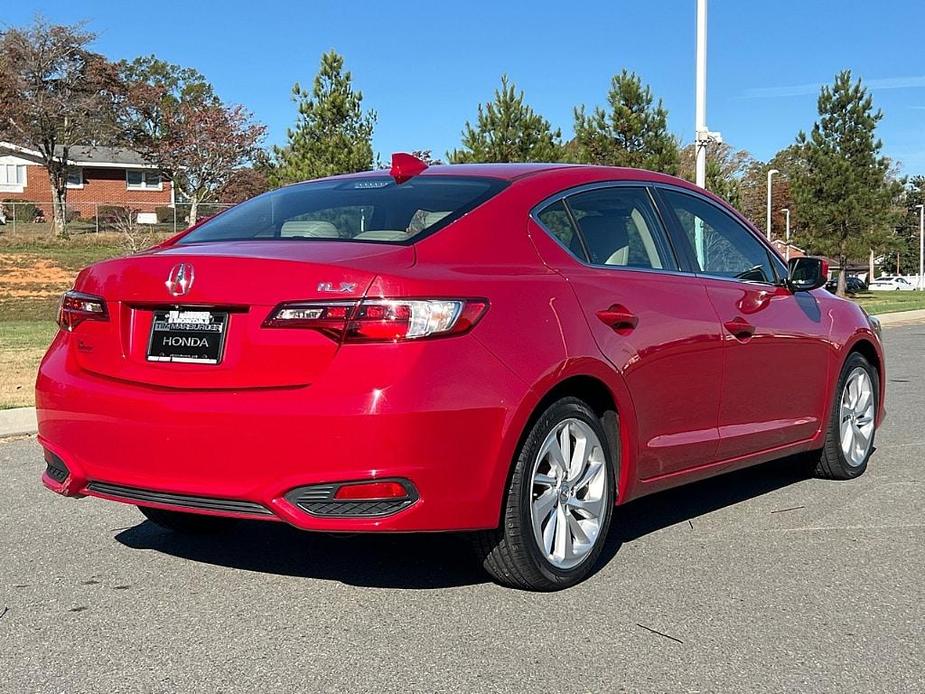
x=787 y=235
x=921 y=281
x=770 y=173
x=700 y=127
x=702 y=135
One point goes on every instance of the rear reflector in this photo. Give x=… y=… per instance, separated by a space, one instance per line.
x=370 y=491
x=380 y=320
x=355 y=499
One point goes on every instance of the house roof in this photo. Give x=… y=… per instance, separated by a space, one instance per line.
x=107 y=155
x=780 y=243
x=90 y=156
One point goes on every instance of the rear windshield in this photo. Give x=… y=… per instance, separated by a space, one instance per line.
x=369 y=209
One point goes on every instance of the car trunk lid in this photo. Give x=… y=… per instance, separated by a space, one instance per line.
x=246 y=281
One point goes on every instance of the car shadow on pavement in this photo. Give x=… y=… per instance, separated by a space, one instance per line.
x=422 y=561
x=428 y=561
x=688 y=502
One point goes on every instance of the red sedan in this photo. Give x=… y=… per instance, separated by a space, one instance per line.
x=504 y=349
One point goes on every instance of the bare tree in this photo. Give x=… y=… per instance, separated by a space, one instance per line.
x=727 y=168
x=178 y=123
x=55 y=94
x=206 y=144
x=134 y=237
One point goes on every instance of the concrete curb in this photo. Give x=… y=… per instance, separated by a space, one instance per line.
x=19 y=421
x=899 y=317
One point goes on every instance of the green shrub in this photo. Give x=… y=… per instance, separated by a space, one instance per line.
x=165 y=215
x=26 y=211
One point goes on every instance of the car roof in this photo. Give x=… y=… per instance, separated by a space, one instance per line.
x=516 y=171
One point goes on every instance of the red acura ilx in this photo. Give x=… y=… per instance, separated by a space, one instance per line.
x=504 y=349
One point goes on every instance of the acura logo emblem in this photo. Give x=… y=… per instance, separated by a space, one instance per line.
x=180 y=279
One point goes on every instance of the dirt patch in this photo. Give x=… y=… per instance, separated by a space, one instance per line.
x=21 y=272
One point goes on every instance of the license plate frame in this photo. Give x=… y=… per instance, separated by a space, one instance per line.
x=187 y=336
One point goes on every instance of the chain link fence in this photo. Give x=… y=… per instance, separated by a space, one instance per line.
x=35 y=219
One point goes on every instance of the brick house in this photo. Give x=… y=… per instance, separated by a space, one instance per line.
x=794 y=250
x=854 y=268
x=98 y=176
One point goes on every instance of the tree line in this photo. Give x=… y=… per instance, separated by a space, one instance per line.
x=846 y=199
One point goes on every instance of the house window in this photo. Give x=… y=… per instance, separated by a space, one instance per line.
x=13 y=175
x=139 y=179
x=75 y=178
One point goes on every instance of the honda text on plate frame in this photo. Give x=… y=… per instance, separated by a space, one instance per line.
x=503 y=350
x=190 y=336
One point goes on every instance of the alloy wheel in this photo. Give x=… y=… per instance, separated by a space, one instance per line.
x=569 y=483
x=856 y=417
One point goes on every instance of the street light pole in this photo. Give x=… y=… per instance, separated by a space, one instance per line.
x=921 y=246
x=700 y=127
x=771 y=172
x=787 y=235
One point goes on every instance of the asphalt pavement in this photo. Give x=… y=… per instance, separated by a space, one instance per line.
x=759 y=581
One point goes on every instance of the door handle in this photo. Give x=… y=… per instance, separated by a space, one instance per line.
x=618 y=317
x=740 y=328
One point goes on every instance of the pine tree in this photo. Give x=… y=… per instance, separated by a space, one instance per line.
x=842 y=186
x=634 y=132
x=332 y=135
x=508 y=130
x=904 y=252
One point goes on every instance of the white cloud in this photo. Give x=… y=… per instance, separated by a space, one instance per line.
x=814 y=87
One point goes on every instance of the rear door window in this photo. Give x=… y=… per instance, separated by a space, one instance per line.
x=620 y=228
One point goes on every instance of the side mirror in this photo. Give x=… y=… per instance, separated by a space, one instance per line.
x=807 y=273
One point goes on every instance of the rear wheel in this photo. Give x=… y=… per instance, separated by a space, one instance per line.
x=849 y=440
x=559 y=503
x=186 y=523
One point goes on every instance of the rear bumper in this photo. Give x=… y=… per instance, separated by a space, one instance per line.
x=243 y=451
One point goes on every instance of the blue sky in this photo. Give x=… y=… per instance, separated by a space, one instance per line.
x=424 y=66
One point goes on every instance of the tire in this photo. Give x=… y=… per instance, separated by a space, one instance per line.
x=512 y=553
x=834 y=462
x=187 y=523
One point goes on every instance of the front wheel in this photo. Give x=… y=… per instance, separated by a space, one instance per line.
x=849 y=440
x=559 y=503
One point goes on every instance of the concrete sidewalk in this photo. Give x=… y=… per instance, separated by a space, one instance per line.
x=21 y=420
x=902 y=317
x=17 y=422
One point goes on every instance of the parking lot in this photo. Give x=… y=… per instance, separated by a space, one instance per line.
x=763 y=580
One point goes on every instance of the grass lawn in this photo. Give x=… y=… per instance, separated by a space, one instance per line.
x=33 y=275
x=888 y=302
x=22 y=344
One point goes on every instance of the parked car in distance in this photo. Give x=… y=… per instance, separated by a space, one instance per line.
x=891 y=284
x=853 y=285
x=504 y=350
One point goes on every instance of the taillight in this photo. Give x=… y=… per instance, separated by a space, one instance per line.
x=76 y=307
x=380 y=320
